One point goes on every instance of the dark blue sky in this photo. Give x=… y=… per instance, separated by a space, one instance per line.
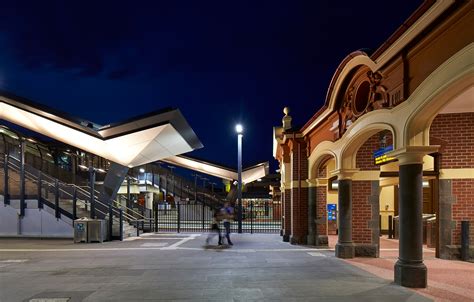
x=219 y=62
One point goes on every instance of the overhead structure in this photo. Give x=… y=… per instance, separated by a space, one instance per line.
x=134 y=142
x=249 y=174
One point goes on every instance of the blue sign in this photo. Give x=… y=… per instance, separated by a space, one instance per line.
x=381 y=157
x=332 y=212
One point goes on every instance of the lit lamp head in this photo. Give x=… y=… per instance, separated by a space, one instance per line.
x=239 y=129
x=141 y=170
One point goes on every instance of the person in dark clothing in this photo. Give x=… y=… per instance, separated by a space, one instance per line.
x=227 y=215
x=215 y=229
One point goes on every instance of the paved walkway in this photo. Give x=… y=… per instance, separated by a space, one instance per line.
x=177 y=267
x=447 y=280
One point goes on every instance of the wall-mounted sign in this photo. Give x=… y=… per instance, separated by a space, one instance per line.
x=380 y=156
x=332 y=212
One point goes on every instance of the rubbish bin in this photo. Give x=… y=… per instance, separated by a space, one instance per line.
x=96 y=231
x=431 y=232
x=80 y=230
x=425 y=218
x=396 y=223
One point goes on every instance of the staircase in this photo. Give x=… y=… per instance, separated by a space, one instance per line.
x=66 y=202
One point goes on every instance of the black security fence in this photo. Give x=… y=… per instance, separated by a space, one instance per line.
x=186 y=217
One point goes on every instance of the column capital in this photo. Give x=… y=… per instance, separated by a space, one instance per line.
x=412 y=154
x=317 y=182
x=344 y=173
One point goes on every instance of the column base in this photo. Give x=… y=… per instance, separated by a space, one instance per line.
x=297 y=239
x=411 y=275
x=321 y=240
x=286 y=238
x=345 y=250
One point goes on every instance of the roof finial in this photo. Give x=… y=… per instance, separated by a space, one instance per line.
x=286 y=119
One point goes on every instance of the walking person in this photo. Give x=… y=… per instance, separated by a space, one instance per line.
x=215 y=229
x=227 y=215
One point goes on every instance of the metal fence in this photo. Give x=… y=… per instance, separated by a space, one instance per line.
x=198 y=218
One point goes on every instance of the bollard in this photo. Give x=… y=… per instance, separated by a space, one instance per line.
x=380 y=225
x=390 y=227
x=465 y=240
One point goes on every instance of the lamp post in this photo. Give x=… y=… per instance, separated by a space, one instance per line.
x=239 y=129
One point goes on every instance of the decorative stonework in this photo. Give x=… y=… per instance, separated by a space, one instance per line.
x=364 y=93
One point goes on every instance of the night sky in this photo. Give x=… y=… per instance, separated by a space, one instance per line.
x=219 y=62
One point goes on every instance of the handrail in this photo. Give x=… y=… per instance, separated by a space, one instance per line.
x=33 y=177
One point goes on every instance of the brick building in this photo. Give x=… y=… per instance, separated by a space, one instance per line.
x=395 y=137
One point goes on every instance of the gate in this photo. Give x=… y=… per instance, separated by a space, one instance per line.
x=256 y=218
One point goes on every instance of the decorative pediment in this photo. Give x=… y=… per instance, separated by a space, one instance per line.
x=364 y=93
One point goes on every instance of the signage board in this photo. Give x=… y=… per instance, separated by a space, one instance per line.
x=380 y=156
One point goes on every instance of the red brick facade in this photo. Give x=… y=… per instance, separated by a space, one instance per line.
x=299 y=194
x=361 y=212
x=463 y=207
x=321 y=213
x=455 y=133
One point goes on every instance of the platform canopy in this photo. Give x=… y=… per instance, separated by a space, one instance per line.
x=134 y=142
x=249 y=174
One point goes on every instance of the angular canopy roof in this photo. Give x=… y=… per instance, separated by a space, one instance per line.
x=135 y=142
x=249 y=174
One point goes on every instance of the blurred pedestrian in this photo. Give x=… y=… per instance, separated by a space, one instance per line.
x=215 y=229
x=227 y=216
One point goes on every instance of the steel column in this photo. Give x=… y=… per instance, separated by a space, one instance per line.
x=6 y=194
x=40 y=183
x=56 y=199
x=22 y=178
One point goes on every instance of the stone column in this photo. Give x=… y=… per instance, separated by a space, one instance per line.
x=345 y=246
x=410 y=271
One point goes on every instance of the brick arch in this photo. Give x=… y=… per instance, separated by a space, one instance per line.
x=353 y=143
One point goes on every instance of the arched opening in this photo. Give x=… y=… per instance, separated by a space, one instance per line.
x=453 y=130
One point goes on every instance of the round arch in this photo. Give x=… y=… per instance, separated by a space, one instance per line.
x=322 y=152
x=449 y=80
x=355 y=139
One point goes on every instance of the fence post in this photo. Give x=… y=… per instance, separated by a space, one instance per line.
x=251 y=216
x=138 y=229
x=6 y=198
x=202 y=216
x=464 y=240
x=74 y=203
x=40 y=183
x=156 y=216
x=390 y=227
x=121 y=224
x=56 y=199
x=179 y=216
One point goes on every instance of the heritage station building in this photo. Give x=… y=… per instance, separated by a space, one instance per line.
x=395 y=137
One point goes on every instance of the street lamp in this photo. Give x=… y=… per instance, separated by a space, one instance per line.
x=239 y=129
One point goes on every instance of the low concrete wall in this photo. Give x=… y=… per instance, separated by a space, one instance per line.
x=39 y=223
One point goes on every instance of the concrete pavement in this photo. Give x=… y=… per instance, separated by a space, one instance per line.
x=177 y=267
